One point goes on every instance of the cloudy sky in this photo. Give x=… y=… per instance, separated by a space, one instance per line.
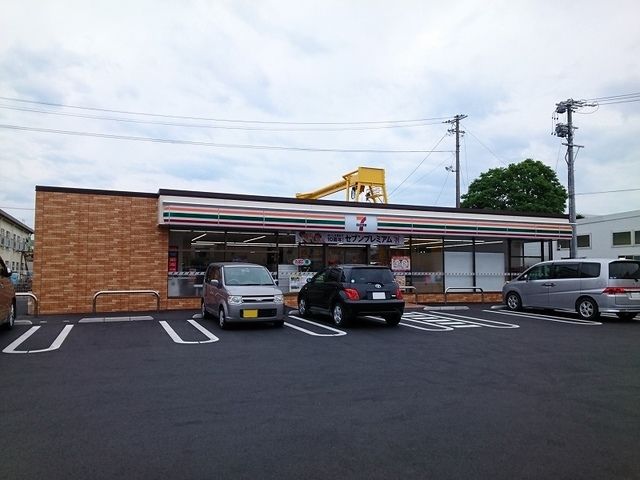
x=278 y=97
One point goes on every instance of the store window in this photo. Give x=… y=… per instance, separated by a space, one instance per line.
x=340 y=255
x=490 y=264
x=524 y=254
x=427 y=267
x=458 y=262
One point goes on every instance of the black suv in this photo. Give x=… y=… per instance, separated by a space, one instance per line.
x=346 y=291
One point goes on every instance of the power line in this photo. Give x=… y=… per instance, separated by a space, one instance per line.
x=223 y=127
x=610 y=191
x=610 y=97
x=488 y=149
x=185 y=117
x=421 y=162
x=211 y=144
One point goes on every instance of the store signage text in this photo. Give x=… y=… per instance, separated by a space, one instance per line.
x=350 y=238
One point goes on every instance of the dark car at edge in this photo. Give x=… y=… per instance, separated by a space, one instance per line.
x=348 y=291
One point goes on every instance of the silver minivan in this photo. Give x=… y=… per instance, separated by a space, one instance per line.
x=588 y=286
x=241 y=292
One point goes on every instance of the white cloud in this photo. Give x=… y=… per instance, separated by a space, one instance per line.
x=504 y=65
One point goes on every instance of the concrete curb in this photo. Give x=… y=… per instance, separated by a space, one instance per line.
x=447 y=307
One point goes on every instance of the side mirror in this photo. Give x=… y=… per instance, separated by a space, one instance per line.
x=275 y=281
x=214 y=283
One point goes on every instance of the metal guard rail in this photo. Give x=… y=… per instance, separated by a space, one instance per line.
x=475 y=289
x=126 y=292
x=30 y=295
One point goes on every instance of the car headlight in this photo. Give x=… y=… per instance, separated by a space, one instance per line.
x=235 y=300
x=278 y=299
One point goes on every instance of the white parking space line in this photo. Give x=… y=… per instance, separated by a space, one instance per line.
x=54 y=346
x=338 y=333
x=176 y=338
x=479 y=321
x=549 y=318
x=438 y=328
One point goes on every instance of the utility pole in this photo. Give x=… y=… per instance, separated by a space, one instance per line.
x=456 y=120
x=566 y=130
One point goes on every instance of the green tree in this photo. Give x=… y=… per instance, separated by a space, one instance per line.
x=528 y=186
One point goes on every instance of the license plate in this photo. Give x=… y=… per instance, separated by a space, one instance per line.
x=634 y=295
x=250 y=313
x=378 y=295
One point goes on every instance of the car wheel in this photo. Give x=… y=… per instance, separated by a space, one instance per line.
x=587 y=308
x=278 y=324
x=513 y=301
x=393 y=320
x=626 y=315
x=11 y=317
x=222 y=319
x=205 y=313
x=303 y=309
x=340 y=315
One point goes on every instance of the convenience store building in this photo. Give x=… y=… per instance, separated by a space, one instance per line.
x=99 y=240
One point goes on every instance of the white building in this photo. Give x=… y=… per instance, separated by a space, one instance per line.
x=15 y=243
x=606 y=236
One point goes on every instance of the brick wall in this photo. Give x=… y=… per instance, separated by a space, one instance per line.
x=88 y=242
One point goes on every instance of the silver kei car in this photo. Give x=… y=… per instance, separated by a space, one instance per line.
x=241 y=293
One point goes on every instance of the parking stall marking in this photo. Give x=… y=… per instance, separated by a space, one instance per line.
x=446 y=322
x=337 y=333
x=550 y=318
x=211 y=338
x=479 y=321
x=22 y=338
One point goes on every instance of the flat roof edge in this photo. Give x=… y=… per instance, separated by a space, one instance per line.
x=92 y=191
x=394 y=206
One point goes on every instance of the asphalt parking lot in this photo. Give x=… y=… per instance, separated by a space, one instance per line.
x=477 y=393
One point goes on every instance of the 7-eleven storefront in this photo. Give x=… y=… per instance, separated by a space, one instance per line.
x=88 y=240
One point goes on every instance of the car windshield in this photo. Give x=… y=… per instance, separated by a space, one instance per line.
x=370 y=275
x=247 y=276
x=620 y=270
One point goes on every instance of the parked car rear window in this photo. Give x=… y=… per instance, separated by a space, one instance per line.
x=370 y=275
x=620 y=270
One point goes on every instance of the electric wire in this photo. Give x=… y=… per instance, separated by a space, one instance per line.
x=443 y=185
x=626 y=95
x=419 y=164
x=222 y=127
x=211 y=144
x=213 y=119
x=488 y=149
x=610 y=191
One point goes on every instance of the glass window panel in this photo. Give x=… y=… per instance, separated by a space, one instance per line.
x=427 y=270
x=621 y=238
x=490 y=264
x=584 y=241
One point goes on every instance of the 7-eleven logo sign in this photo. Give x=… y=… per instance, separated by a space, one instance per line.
x=361 y=223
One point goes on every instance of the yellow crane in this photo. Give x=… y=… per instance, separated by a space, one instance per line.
x=365 y=182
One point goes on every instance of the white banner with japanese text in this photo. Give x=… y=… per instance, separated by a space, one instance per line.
x=349 y=238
